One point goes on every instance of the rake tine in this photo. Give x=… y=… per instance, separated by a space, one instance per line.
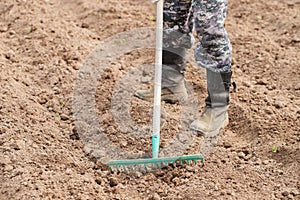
x=152 y=163
x=165 y=164
x=131 y=168
x=159 y=165
x=153 y=166
x=145 y=166
x=173 y=164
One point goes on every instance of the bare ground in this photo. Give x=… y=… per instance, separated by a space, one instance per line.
x=43 y=44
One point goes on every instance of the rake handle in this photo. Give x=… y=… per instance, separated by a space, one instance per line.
x=157 y=79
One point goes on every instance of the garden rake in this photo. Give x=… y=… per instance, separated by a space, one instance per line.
x=155 y=161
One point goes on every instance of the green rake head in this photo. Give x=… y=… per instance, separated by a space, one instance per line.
x=153 y=163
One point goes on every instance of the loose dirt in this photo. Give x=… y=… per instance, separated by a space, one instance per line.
x=43 y=46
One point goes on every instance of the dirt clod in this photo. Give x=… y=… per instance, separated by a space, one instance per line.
x=285 y=193
x=113 y=181
x=64 y=117
x=84 y=25
x=155 y=196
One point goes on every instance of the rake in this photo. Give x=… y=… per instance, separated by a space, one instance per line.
x=155 y=161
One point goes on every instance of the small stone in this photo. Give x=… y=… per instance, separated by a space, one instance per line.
x=297 y=87
x=104 y=174
x=238 y=71
x=9 y=55
x=54 y=81
x=295 y=39
x=74 y=135
x=85 y=25
x=268 y=111
x=98 y=181
x=64 y=117
x=188 y=174
x=290 y=197
x=265 y=162
x=190 y=168
x=3 y=28
x=76 y=67
x=262 y=82
x=176 y=180
x=113 y=182
x=2 y=130
x=15 y=146
x=42 y=100
x=295 y=192
x=279 y=171
x=8 y=168
x=240 y=167
x=278 y=105
x=68 y=171
x=123 y=143
x=285 y=193
x=138 y=174
x=155 y=196
x=146 y=73
x=257 y=162
x=241 y=155
x=145 y=79
x=269 y=88
x=227 y=144
x=12 y=32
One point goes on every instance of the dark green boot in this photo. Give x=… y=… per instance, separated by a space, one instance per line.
x=214 y=117
x=173 y=86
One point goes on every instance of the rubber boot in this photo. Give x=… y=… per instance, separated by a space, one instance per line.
x=214 y=117
x=173 y=86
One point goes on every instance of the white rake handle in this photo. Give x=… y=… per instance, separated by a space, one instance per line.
x=157 y=78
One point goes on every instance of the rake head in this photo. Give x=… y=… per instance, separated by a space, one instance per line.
x=152 y=163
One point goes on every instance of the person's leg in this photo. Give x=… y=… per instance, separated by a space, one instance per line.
x=175 y=42
x=173 y=86
x=214 y=53
x=214 y=116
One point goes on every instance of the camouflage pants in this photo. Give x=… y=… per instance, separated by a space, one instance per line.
x=207 y=17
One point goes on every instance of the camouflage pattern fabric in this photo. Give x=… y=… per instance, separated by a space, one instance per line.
x=176 y=14
x=213 y=50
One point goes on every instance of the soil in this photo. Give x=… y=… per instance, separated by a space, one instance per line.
x=45 y=156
